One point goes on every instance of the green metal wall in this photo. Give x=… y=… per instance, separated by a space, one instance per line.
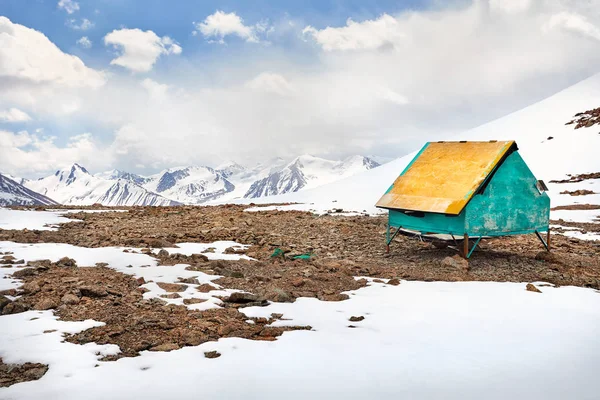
x=510 y=204
x=429 y=223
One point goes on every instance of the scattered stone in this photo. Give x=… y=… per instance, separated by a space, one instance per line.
x=212 y=354
x=170 y=296
x=165 y=347
x=191 y=280
x=241 y=297
x=205 y=288
x=45 y=304
x=93 y=291
x=298 y=282
x=456 y=262
x=394 y=282
x=356 y=319
x=70 y=299
x=193 y=300
x=531 y=288
x=3 y=303
x=172 y=287
x=66 y=262
x=31 y=287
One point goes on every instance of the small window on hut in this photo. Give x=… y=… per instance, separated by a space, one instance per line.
x=541 y=186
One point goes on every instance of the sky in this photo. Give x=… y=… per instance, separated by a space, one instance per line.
x=143 y=85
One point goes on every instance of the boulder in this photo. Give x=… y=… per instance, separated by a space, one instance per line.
x=456 y=262
x=172 y=287
x=70 y=299
x=531 y=288
x=93 y=291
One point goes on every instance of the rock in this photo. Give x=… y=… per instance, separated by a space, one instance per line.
x=22 y=273
x=31 y=287
x=394 y=282
x=191 y=280
x=3 y=303
x=212 y=354
x=163 y=253
x=241 y=297
x=14 y=308
x=205 y=288
x=199 y=258
x=165 y=347
x=93 y=291
x=456 y=262
x=172 y=287
x=70 y=299
x=193 y=300
x=170 y=296
x=140 y=281
x=356 y=319
x=335 y=297
x=438 y=244
x=531 y=288
x=66 y=262
x=297 y=282
x=280 y=296
x=45 y=304
x=159 y=243
x=36 y=373
x=8 y=258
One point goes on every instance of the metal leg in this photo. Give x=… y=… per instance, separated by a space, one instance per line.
x=391 y=237
x=548 y=239
x=466 y=246
x=546 y=244
x=474 y=245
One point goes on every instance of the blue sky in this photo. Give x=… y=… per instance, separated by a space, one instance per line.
x=145 y=85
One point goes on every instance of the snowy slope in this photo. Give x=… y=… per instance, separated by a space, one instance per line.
x=15 y=194
x=307 y=172
x=569 y=151
x=76 y=186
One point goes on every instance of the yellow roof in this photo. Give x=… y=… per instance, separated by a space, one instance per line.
x=444 y=176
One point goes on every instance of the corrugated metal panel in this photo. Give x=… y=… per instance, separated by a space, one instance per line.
x=444 y=176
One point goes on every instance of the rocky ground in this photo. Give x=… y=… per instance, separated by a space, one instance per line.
x=341 y=248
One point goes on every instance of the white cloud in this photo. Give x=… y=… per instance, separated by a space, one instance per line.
x=84 y=25
x=574 y=23
x=25 y=153
x=27 y=55
x=221 y=24
x=367 y=35
x=84 y=42
x=69 y=6
x=270 y=82
x=139 y=50
x=155 y=90
x=379 y=86
x=14 y=115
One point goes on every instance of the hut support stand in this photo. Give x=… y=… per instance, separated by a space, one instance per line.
x=466 y=252
x=546 y=242
x=389 y=237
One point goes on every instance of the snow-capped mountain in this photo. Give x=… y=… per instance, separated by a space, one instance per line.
x=550 y=147
x=118 y=174
x=190 y=185
x=13 y=193
x=194 y=184
x=307 y=172
x=76 y=186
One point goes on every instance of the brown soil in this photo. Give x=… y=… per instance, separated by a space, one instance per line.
x=16 y=373
x=341 y=247
x=586 y=119
x=578 y=178
x=577 y=207
x=580 y=192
